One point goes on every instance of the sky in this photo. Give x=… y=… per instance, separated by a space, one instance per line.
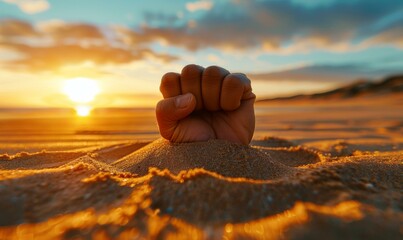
x=284 y=46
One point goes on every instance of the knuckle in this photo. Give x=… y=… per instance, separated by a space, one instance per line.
x=169 y=76
x=232 y=82
x=244 y=79
x=215 y=71
x=211 y=76
x=169 y=80
x=212 y=71
x=192 y=70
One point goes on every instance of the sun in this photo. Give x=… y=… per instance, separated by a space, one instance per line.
x=83 y=111
x=81 y=90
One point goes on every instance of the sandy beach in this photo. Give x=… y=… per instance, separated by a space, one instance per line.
x=201 y=119
x=315 y=170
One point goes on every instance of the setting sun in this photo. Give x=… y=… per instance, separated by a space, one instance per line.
x=83 y=111
x=81 y=90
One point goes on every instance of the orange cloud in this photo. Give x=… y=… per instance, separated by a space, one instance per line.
x=52 y=58
x=61 y=31
x=53 y=45
x=16 y=28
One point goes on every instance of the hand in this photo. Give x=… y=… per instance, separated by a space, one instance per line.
x=201 y=104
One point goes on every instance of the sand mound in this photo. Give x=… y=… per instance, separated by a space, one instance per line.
x=222 y=157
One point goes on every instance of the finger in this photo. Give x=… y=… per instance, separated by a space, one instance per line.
x=235 y=88
x=170 y=85
x=211 y=87
x=170 y=110
x=190 y=82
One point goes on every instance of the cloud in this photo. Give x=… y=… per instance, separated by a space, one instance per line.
x=324 y=73
x=388 y=31
x=199 y=5
x=286 y=26
x=62 y=31
x=281 y=24
x=132 y=38
x=52 y=45
x=52 y=58
x=55 y=29
x=30 y=6
x=394 y=36
x=16 y=28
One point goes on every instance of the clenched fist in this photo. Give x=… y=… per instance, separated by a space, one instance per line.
x=201 y=104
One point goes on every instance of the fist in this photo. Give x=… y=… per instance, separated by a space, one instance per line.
x=201 y=104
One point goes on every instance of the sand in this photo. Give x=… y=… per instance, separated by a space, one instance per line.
x=309 y=185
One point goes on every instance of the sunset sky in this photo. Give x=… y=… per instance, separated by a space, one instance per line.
x=284 y=46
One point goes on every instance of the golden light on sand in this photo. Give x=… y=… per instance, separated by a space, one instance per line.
x=83 y=111
x=81 y=90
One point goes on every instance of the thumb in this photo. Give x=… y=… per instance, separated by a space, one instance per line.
x=170 y=110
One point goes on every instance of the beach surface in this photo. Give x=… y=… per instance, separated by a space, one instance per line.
x=315 y=169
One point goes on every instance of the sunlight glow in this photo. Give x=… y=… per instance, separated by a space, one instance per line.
x=81 y=90
x=83 y=111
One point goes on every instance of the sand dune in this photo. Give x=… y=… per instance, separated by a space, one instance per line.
x=389 y=85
